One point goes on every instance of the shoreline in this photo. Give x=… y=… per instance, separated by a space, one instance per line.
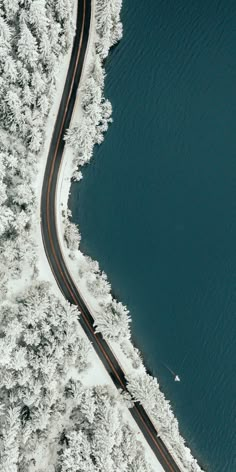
x=75 y=258
x=62 y=196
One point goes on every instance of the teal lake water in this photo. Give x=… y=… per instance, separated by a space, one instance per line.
x=157 y=207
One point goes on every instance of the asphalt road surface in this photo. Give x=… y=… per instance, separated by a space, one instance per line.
x=51 y=241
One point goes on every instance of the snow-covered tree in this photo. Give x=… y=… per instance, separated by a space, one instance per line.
x=98 y=284
x=39 y=344
x=81 y=138
x=113 y=321
x=71 y=235
x=145 y=389
x=10 y=441
x=101 y=441
x=27 y=49
x=132 y=353
x=108 y=24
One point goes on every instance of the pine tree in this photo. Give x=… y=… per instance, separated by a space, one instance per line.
x=113 y=321
x=27 y=46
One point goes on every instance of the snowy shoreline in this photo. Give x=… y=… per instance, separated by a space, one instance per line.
x=59 y=408
x=62 y=196
x=125 y=351
x=58 y=405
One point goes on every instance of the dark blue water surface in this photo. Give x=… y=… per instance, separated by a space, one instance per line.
x=157 y=206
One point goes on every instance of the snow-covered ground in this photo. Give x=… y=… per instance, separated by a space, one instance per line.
x=129 y=357
x=96 y=374
x=45 y=272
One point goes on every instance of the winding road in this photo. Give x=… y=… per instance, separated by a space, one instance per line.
x=51 y=239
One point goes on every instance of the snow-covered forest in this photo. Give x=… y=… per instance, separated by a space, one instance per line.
x=96 y=116
x=51 y=419
x=33 y=35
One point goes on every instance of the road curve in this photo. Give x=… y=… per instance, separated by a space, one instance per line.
x=51 y=240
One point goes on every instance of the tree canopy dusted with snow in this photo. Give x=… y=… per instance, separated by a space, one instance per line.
x=33 y=35
x=43 y=403
x=145 y=389
x=17 y=201
x=39 y=344
x=99 y=440
x=93 y=124
x=113 y=321
x=48 y=417
x=96 y=110
x=108 y=25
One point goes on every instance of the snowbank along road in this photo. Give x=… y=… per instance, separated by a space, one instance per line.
x=51 y=240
